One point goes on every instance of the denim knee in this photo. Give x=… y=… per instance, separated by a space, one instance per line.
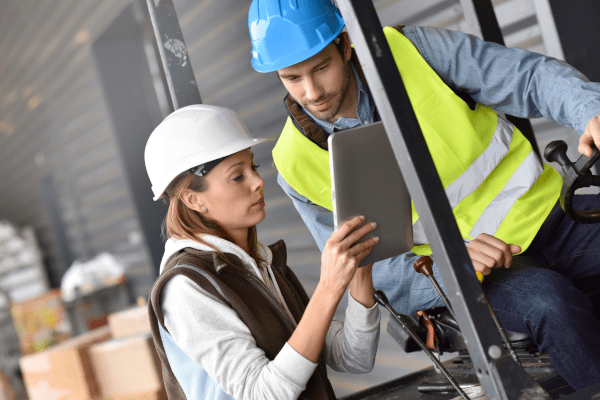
x=529 y=297
x=553 y=304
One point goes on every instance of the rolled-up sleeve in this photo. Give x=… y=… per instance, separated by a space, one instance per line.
x=511 y=80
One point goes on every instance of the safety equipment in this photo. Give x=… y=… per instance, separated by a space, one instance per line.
x=286 y=32
x=493 y=179
x=191 y=136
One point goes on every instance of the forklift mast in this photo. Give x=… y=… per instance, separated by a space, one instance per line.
x=500 y=376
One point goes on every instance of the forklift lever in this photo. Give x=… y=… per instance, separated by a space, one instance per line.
x=382 y=300
x=424 y=266
x=576 y=176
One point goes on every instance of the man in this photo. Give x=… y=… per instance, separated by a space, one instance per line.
x=504 y=200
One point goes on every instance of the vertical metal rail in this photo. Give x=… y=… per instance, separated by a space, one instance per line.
x=173 y=54
x=501 y=378
x=482 y=21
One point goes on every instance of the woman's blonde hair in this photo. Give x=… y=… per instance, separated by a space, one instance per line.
x=182 y=222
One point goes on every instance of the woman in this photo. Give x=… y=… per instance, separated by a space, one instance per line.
x=229 y=318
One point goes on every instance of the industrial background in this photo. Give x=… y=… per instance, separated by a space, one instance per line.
x=81 y=88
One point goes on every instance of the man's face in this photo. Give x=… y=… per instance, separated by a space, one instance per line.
x=320 y=84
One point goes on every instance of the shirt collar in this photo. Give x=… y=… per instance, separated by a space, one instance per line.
x=364 y=109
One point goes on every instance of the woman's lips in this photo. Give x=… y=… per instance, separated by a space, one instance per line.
x=260 y=202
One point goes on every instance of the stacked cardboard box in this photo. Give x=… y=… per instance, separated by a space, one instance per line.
x=64 y=371
x=129 y=322
x=127 y=367
x=114 y=362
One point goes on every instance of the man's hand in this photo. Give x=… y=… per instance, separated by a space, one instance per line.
x=487 y=252
x=590 y=135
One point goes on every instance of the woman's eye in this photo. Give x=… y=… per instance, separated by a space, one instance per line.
x=255 y=167
x=238 y=178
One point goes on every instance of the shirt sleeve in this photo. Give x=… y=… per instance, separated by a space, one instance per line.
x=407 y=290
x=212 y=335
x=352 y=345
x=511 y=80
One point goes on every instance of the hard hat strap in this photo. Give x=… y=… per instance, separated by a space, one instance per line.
x=205 y=168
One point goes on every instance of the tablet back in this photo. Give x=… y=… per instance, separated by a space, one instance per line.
x=366 y=179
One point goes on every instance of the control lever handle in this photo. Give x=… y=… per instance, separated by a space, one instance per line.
x=424 y=266
x=576 y=176
x=556 y=151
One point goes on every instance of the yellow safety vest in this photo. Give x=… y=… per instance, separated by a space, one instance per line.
x=493 y=179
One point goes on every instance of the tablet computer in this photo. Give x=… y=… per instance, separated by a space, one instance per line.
x=366 y=180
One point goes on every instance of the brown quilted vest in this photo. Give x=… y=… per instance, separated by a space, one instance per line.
x=233 y=284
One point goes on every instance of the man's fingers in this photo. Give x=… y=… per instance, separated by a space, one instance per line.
x=585 y=145
x=482 y=261
x=496 y=248
x=487 y=251
x=514 y=249
x=590 y=136
x=506 y=255
x=481 y=268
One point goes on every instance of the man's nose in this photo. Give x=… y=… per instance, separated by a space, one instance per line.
x=312 y=89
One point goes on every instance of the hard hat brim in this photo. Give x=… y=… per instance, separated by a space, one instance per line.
x=215 y=153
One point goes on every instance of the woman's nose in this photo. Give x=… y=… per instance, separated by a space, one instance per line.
x=259 y=182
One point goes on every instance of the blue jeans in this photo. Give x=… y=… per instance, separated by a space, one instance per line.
x=537 y=296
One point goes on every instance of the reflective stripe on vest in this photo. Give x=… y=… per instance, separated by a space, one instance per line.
x=493 y=179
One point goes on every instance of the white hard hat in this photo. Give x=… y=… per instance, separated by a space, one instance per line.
x=191 y=136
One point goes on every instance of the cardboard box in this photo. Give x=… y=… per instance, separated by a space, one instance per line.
x=134 y=321
x=160 y=395
x=127 y=368
x=63 y=372
x=40 y=322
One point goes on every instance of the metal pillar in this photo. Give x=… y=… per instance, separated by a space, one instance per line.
x=173 y=53
x=501 y=378
x=482 y=21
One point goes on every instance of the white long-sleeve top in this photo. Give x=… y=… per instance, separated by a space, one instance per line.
x=212 y=335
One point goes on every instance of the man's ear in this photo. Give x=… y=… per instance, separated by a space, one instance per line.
x=347 y=46
x=193 y=200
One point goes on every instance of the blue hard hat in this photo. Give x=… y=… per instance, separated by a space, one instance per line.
x=286 y=32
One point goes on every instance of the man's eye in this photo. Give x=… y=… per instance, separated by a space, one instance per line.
x=324 y=67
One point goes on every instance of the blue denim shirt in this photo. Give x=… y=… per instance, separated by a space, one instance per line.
x=514 y=81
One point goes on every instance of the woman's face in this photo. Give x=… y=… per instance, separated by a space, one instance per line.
x=234 y=197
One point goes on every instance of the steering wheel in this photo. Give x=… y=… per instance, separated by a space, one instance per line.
x=576 y=176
